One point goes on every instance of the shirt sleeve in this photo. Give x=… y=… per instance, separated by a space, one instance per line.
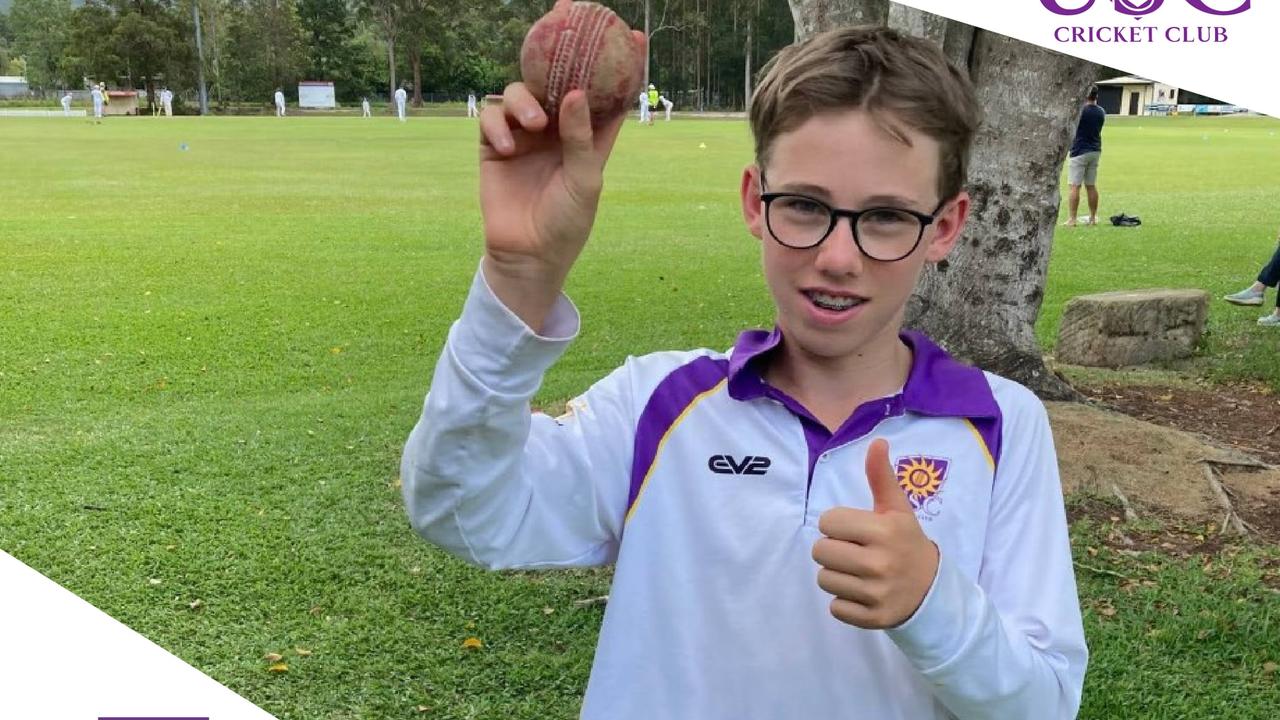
x=1010 y=645
x=497 y=485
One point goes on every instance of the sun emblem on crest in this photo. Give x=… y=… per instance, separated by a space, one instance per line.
x=920 y=477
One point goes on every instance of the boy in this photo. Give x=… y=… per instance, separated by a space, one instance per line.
x=771 y=561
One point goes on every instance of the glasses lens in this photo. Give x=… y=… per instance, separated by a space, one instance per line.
x=888 y=234
x=798 y=221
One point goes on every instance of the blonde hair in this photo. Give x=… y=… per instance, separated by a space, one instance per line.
x=878 y=70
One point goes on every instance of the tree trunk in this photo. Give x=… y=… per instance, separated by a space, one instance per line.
x=647 y=40
x=982 y=302
x=919 y=23
x=415 y=59
x=391 y=67
x=746 y=88
x=814 y=16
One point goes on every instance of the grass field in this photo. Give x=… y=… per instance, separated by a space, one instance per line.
x=210 y=357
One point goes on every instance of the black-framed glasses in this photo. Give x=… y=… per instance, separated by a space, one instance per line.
x=887 y=234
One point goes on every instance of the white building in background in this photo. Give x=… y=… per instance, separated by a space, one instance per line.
x=1128 y=95
x=13 y=86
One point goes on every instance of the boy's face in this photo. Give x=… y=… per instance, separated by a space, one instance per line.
x=845 y=160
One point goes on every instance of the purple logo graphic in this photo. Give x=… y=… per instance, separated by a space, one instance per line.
x=921 y=477
x=1144 y=7
x=1141 y=7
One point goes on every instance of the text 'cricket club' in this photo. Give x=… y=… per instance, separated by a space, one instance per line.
x=1143 y=34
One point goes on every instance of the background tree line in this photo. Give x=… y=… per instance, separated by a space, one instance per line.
x=703 y=52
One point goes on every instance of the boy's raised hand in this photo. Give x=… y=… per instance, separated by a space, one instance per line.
x=878 y=563
x=539 y=190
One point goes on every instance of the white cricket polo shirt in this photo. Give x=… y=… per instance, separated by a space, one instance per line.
x=704 y=485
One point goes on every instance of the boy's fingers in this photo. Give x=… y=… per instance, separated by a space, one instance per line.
x=847 y=587
x=581 y=162
x=495 y=133
x=844 y=557
x=523 y=108
x=851 y=525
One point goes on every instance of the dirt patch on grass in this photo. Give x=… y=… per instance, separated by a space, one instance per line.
x=1243 y=417
x=1160 y=470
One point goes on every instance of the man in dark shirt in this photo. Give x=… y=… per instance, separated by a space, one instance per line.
x=1082 y=166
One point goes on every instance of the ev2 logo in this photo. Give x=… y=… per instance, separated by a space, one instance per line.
x=1143 y=7
x=749 y=465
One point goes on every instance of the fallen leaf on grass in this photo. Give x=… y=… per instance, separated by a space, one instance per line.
x=303 y=652
x=273 y=657
x=279 y=668
x=472 y=643
x=196 y=604
x=1269 y=667
x=422 y=708
x=154 y=581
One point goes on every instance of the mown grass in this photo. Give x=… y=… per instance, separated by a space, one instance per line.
x=210 y=357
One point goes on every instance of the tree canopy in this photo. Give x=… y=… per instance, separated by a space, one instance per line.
x=702 y=51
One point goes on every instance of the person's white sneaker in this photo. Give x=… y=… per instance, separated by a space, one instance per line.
x=1247 y=296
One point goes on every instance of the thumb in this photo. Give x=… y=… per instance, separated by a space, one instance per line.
x=887 y=495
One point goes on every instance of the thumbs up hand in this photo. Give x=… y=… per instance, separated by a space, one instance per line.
x=877 y=563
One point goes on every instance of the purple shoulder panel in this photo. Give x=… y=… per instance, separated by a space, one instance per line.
x=672 y=396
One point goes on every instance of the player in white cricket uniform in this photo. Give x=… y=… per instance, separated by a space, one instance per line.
x=166 y=97
x=644 y=107
x=472 y=110
x=66 y=105
x=364 y=108
x=97 y=94
x=666 y=105
x=401 y=98
x=279 y=103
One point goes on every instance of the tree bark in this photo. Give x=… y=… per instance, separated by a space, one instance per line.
x=982 y=302
x=391 y=67
x=814 y=16
x=746 y=87
x=918 y=23
x=415 y=60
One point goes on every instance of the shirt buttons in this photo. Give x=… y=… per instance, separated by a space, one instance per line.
x=822 y=458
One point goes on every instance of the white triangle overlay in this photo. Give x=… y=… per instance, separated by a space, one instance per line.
x=1239 y=70
x=62 y=658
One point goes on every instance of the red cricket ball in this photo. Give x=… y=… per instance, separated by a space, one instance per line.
x=583 y=46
